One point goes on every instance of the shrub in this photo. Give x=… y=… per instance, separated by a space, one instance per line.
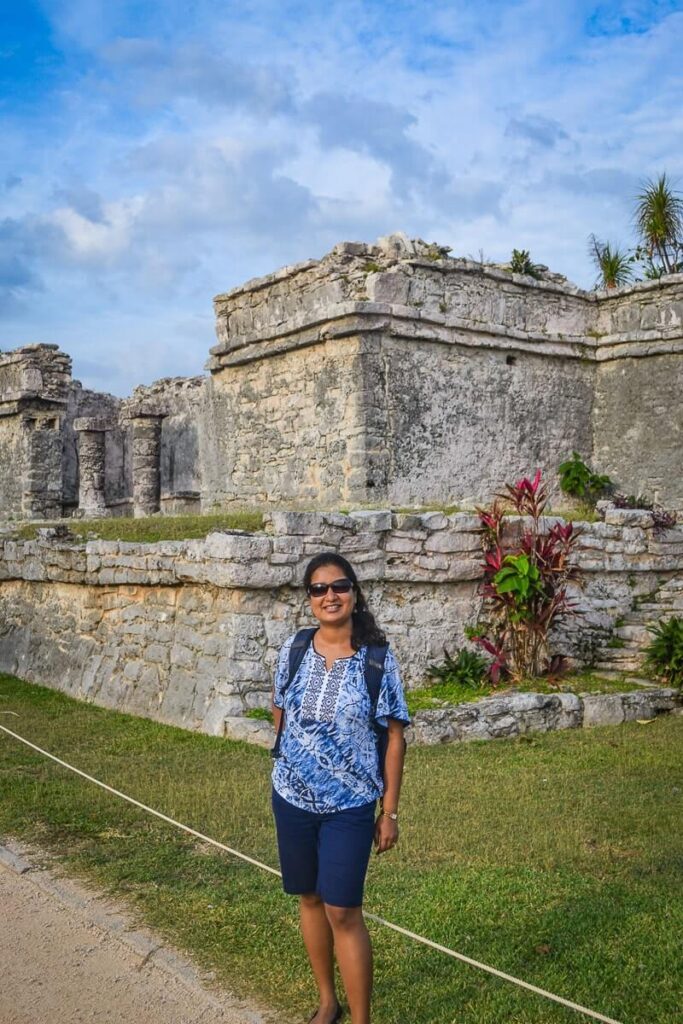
x=661 y=517
x=525 y=587
x=579 y=481
x=467 y=669
x=664 y=654
x=614 y=265
x=521 y=263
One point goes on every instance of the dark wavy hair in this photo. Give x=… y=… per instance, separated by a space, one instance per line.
x=364 y=629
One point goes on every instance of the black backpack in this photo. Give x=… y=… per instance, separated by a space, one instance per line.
x=374 y=670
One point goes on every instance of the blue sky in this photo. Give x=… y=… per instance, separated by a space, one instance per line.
x=156 y=153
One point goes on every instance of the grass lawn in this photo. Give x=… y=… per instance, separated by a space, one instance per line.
x=149 y=529
x=555 y=857
x=440 y=694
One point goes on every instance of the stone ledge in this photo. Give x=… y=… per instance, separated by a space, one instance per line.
x=514 y=715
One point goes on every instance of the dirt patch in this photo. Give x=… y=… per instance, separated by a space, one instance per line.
x=70 y=955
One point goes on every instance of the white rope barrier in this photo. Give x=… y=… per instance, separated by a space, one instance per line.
x=265 y=867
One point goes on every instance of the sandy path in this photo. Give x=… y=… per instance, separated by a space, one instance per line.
x=67 y=956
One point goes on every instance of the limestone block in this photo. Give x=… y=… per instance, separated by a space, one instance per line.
x=465 y=521
x=650 y=703
x=182 y=656
x=238 y=547
x=434 y=520
x=221 y=708
x=375 y=522
x=391 y=286
x=601 y=531
x=251 y=730
x=338 y=520
x=634 y=540
x=402 y=544
x=629 y=517
x=602 y=709
x=451 y=541
x=296 y=523
x=288 y=545
x=353 y=544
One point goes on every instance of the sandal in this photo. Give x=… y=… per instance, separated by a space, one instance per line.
x=337 y=1017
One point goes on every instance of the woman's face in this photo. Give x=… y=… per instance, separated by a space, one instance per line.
x=331 y=609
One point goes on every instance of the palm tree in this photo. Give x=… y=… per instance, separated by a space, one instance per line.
x=659 y=221
x=614 y=265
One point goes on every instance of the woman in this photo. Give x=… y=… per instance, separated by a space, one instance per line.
x=327 y=778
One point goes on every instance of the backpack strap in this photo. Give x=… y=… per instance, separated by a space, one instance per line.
x=375 y=657
x=297 y=650
x=374 y=671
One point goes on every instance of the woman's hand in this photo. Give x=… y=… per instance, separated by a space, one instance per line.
x=386 y=833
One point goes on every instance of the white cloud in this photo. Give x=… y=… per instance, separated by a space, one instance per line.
x=180 y=155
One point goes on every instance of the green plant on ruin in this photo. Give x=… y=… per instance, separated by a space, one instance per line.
x=614 y=265
x=435 y=252
x=664 y=653
x=467 y=668
x=659 y=222
x=579 y=481
x=370 y=267
x=526 y=579
x=521 y=263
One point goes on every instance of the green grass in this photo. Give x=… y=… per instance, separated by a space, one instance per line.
x=150 y=529
x=262 y=714
x=441 y=694
x=555 y=857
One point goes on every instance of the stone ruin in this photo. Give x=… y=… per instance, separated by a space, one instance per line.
x=386 y=374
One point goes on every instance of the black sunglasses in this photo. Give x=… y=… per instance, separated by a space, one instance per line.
x=342 y=586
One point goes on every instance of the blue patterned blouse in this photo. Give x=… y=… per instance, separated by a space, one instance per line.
x=328 y=747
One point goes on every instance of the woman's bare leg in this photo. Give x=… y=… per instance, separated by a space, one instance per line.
x=317 y=935
x=354 y=956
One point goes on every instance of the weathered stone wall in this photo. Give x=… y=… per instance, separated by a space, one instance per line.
x=462 y=377
x=188 y=631
x=459 y=421
x=34 y=383
x=11 y=461
x=288 y=429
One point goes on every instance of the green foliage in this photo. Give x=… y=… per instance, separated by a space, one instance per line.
x=371 y=267
x=658 y=219
x=262 y=714
x=579 y=481
x=521 y=579
x=614 y=265
x=521 y=263
x=436 y=252
x=664 y=654
x=659 y=222
x=466 y=669
x=525 y=582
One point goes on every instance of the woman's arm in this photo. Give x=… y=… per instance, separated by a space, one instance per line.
x=386 y=830
x=277 y=713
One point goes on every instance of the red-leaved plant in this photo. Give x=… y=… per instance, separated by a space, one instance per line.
x=525 y=583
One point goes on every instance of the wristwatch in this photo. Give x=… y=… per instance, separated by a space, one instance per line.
x=391 y=814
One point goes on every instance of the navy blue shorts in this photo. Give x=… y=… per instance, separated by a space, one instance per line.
x=324 y=853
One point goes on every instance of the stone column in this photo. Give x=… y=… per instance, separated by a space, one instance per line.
x=91 y=432
x=146 y=463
